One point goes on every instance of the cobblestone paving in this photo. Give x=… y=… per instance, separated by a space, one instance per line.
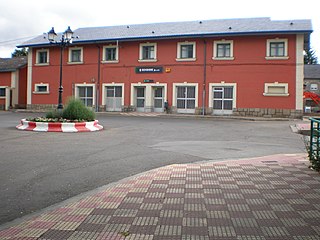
x=268 y=198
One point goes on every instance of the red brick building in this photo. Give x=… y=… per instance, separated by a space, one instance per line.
x=13 y=82
x=250 y=67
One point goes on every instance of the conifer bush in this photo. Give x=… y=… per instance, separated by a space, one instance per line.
x=74 y=111
x=77 y=111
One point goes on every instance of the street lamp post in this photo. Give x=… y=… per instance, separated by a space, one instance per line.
x=66 y=39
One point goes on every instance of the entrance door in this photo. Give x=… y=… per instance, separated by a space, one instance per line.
x=222 y=100
x=186 y=99
x=158 y=99
x=140 y=99
x=85 y=94
x=113 y=98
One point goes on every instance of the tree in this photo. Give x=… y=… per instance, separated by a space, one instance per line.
x=310 y=57
x=20 y=52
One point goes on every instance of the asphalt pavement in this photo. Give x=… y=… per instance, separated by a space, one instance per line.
x=42 y=169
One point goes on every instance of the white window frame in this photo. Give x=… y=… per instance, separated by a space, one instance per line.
x=185 y=84
x=141 y=52
x=70 y=55
x=269 y=41
x=104 y=93
x=5 y=90
x=38 y=58
x=36 y=91
x=276 y=84
x=104 y=51
x=215 y=49
x=148 y=92
x=179 y=44
x=86 y=85
x=222 y=84
x=6 y=97
x=314 y=87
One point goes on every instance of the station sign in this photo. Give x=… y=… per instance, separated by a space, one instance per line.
x=149 y=69
x=148 y=80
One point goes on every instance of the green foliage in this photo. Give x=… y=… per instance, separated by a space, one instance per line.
x=20 y=52
x=310 y=57
x=314 y=150
x=77 y=111
x=315 y=161
x=54 y=114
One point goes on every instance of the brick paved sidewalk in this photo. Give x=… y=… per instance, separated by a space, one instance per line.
x=273 y=197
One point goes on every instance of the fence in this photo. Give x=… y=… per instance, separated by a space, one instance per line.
x=314 y=147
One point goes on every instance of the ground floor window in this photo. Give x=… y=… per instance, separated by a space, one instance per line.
x=2 y=92
x=276 y=89
x=85 y=94
x=41 y=88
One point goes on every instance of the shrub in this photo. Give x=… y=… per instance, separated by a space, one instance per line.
x=75 y=110
x=54 y=114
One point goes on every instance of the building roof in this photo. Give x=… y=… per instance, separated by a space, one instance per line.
x=225 y=27
x=12 y=64
x=312 y=71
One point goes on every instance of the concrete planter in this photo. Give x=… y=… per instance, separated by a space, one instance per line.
x=59 y=127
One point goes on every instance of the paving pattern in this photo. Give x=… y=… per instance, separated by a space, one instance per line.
x=267 y=198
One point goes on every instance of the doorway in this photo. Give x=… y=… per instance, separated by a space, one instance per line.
x=222 y=100
x=158 y=99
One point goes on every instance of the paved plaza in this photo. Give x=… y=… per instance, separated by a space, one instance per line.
x=263 y=198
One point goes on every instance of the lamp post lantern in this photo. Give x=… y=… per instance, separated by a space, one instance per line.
x=66 y=39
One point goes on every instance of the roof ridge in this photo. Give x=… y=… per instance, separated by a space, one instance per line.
x=175 y=22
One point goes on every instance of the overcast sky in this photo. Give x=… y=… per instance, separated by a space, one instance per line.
x=22 y=19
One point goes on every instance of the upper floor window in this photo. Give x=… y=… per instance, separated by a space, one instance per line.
x=186 y=51
x=42 y=57
x=75 y=55
x=223 y=50
x=110 y=54
x=313 y=87
x=148 y=52
x=277 y=48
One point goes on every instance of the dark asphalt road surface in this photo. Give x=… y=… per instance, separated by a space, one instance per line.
x=41 y=169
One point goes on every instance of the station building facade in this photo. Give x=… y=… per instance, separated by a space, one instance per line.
x=246 y=67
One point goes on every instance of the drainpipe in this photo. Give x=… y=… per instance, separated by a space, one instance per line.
x=204 y=75
x=98 y=81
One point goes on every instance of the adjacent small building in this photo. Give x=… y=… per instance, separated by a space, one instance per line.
x=13 y=83
x=312 y=78
x=312 y=88
x=247 y=67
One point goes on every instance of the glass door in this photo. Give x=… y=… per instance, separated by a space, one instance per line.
x=85 y=94
x=222 y=100
x=186 y=99
x=158 y=99
x=114 y=98
x=140 y=99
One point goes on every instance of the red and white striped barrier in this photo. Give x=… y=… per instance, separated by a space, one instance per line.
x=59 y=127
